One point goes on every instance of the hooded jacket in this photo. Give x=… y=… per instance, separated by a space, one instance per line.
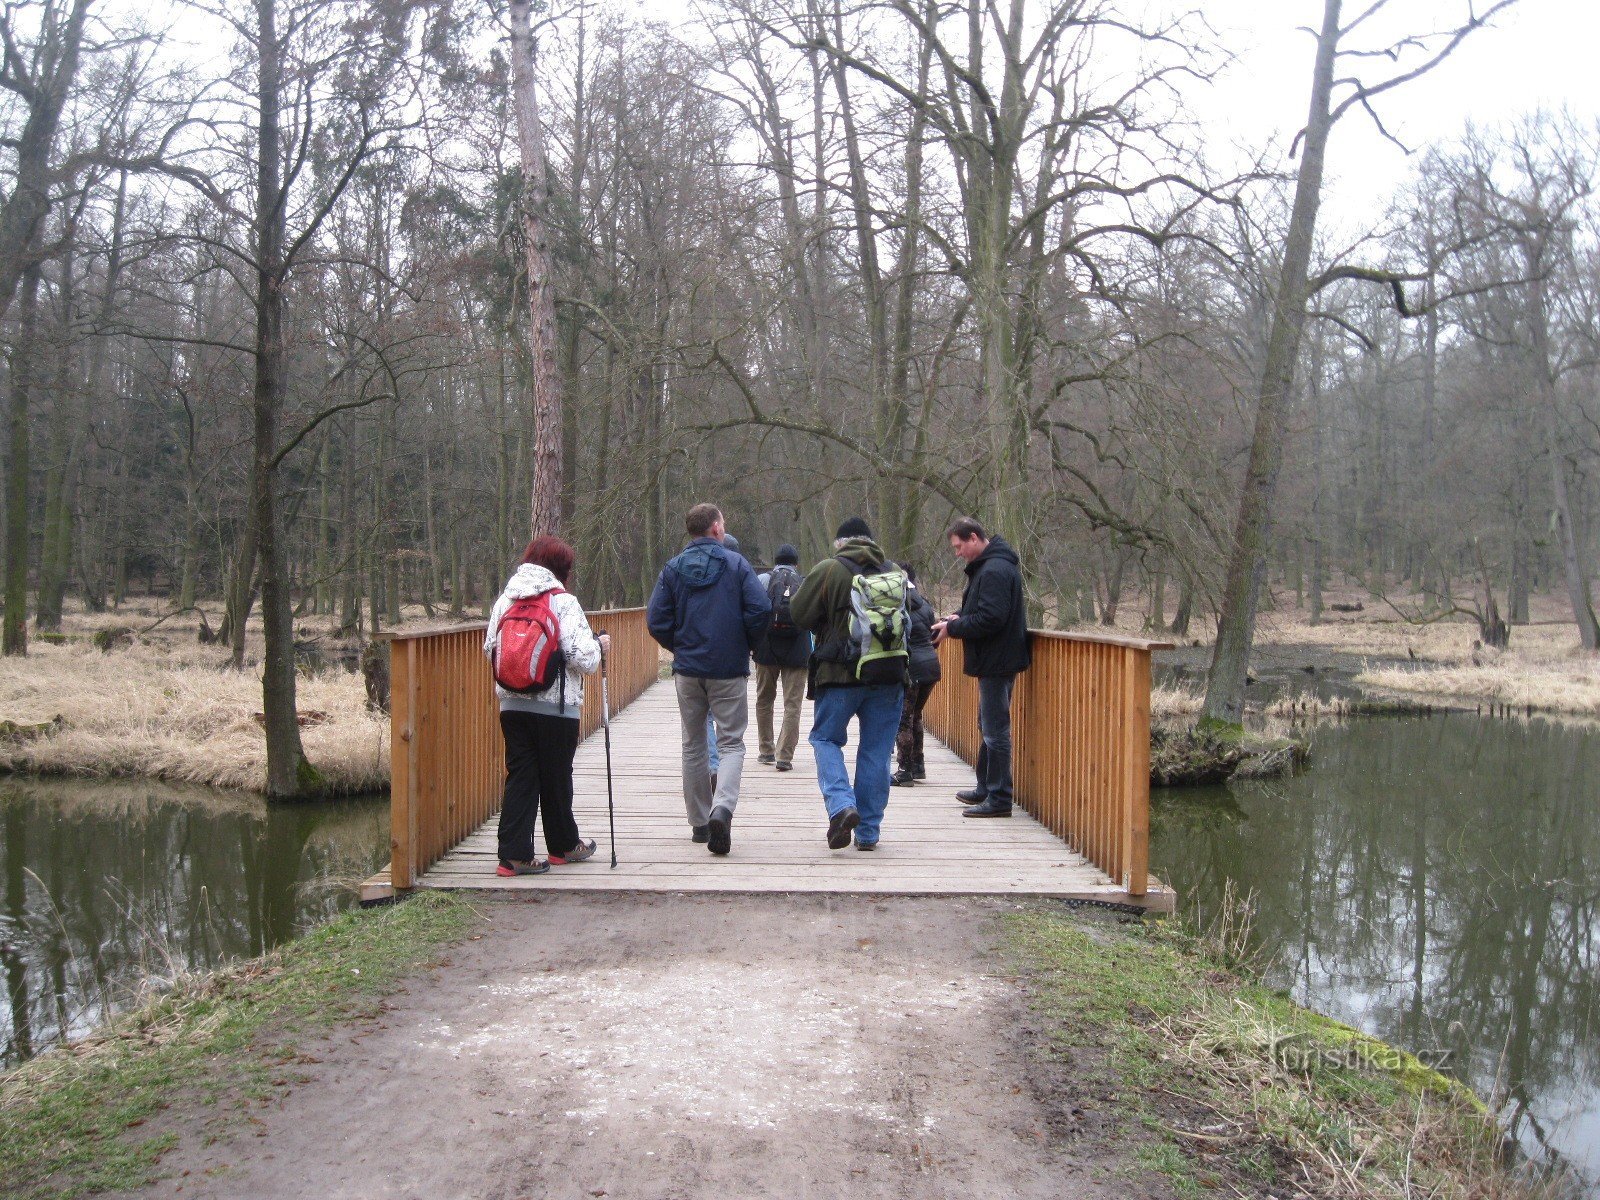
x=993 y=625
x=822 y=605
x=919 y=638
x=577 y=642
x=709 y=611
x=772 y=650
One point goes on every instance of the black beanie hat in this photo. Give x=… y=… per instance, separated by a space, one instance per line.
x=855 y=527
x=787 y=554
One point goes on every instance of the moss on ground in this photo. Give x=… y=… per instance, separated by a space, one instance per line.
x=76 y=1119
x=1226 y=1084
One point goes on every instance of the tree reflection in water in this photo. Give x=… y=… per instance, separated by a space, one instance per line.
x=1434 y=882
x=113 y=889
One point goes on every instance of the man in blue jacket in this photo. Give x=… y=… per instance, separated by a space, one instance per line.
x=708 y=609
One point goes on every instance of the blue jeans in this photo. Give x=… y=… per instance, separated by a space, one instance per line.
x=994 y=723
x=711 y=744
x=877 y=712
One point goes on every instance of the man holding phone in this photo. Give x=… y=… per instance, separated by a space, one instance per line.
x=993 y=628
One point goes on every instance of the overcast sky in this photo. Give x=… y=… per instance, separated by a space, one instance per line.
x=1542 y=52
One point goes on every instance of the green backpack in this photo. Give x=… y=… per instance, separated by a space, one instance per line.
x=878 y=623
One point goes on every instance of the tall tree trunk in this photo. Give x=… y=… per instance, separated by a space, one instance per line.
x=288 y=772
x=544 y=374
x=1236 y=627
x=1571 y=553
x=14 y=639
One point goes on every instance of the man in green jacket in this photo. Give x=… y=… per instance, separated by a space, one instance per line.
x=822 y=605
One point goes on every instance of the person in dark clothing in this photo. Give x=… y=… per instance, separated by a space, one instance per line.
x=781 y=657
x=925 y=674
x=708 y=609
x=993 y=628
x=823 y=605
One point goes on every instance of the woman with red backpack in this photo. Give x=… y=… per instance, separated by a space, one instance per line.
x=541 y=647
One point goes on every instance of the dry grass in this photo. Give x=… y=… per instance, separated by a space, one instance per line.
x=170 y=708
x=1564 y=687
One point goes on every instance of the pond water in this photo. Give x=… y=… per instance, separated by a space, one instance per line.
x=1434 y=881
x=110 y=889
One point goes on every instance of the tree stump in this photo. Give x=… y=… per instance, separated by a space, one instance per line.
x=375 y=674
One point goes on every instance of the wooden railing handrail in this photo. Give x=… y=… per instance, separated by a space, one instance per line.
x=1129 y=640
x=438 y=627
x=1080 y=727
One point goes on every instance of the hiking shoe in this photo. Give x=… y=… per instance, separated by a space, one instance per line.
x=902 y=779
x=701 y=832
x=987 y=809
x=860 y=845
x=719 y=833
x=972 y=796
x=786 y=766
x=507 y=869
x=769 y=759
x=582 y=851
x=840 y=826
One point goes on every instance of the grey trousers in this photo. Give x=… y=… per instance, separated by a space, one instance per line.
x=727 y=702
x=793 y=680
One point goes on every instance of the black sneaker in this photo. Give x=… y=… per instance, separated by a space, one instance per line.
x=701 y=832
x=901 y=779
x=769 y=759
x=972 y=796
x=987 y=809
x=919 y=773
x=720 y=831
x=860 y=845
x=840 y=826
x=785 y=766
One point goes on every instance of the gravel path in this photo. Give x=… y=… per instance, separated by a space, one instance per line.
x=677 y=1046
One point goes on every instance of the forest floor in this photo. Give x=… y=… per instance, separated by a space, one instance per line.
x=1374 y=660
x=683 y=1046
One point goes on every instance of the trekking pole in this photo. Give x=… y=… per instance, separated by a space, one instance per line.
x=605 y=722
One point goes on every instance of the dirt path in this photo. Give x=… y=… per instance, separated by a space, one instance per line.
x=676 y=1047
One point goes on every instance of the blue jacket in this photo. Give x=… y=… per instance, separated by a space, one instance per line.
x=709 y=610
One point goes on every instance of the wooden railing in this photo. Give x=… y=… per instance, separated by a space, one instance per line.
x=447 y=763
x=1080 y=733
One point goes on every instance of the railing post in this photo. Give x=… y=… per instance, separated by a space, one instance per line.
x=1136 y=789
x=402 y=764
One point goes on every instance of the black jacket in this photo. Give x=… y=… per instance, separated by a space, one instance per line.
x=919 y=638
x=780 y=650
x=993 y=625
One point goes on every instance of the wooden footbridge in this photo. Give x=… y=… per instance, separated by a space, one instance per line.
x=1081 y=726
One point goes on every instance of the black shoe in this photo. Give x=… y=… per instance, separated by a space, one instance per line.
x=713 y=783
x=700 y=833
x=785 y=766
x=720 y=831
x=766 y=758
x=901 y=779
x=860 y=845
x=987 y=809
x=919 y=773
x=972 y=796
x=840 y=826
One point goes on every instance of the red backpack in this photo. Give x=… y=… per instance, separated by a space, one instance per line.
x=530 y=657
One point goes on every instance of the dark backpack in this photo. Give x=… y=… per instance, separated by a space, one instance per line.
x=782 y=585
x=530 y=658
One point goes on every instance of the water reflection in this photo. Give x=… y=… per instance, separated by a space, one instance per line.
x=112 y=889
x=1433 y=881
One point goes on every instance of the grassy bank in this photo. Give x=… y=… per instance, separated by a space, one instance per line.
x=88 y=1117
x=1228 y=1088
x=168 y=707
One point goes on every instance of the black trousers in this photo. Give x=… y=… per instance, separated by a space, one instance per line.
x=539 y=750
